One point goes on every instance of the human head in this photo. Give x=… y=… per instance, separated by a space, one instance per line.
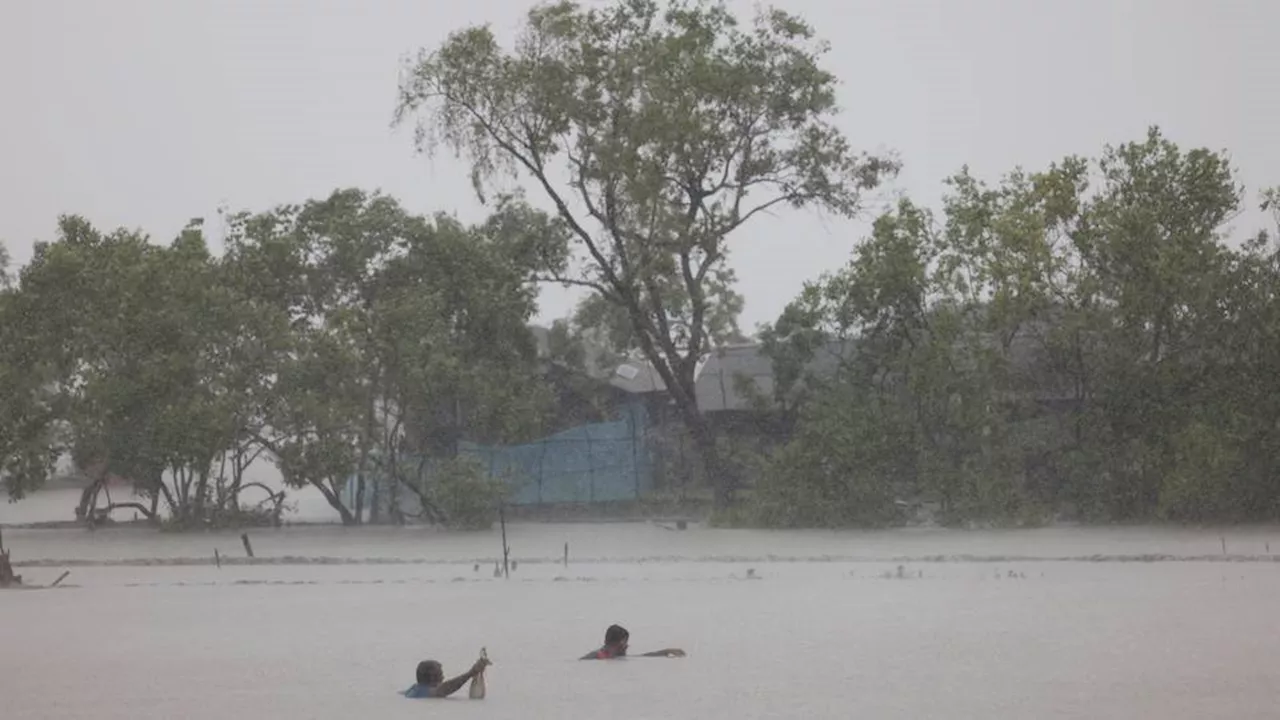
x=616 y=638
x=430 y=672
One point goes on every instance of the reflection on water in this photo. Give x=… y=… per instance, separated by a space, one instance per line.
x=810 y=639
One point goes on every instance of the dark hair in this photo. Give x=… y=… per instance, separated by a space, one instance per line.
x=615 y=634
x=430 y=673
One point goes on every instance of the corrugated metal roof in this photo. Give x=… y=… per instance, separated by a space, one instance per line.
x=719 y=387
x=636 y=376
x=632 y=376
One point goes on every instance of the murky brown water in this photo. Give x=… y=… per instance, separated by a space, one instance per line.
x=816 y=638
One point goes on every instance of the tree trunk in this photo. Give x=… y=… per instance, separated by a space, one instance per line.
x=375 y=500
x=174 y=507
x=677 y=374
x=429 y=509
x=359 y=504
x=393 y=502
x=7 y=577
x=89 y=497
x=220 y=483
x=336 y=503
x=240 y=461
x=149 y=515
x=718 y=472
x=202 y=490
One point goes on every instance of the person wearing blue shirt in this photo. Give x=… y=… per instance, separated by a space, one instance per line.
x=431 y=682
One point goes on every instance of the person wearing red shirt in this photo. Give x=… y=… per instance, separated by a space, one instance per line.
x=616 y=639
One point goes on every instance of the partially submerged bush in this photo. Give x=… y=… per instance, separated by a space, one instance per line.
x=466 y=494
x=216 y=518
x=839 y=470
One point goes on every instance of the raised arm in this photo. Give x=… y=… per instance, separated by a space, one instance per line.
x=452 y=685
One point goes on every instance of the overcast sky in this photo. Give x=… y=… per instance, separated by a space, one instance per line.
x=146 y=113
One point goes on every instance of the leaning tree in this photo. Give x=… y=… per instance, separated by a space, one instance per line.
x=656 y=130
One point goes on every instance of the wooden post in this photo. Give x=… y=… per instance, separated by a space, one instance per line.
x=217 y=559
x=244 y=538
x=506 y=551
x=566 y=553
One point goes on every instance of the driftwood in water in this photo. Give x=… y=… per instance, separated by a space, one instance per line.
x=248 y=549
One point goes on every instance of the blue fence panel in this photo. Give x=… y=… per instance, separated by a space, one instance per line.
x=600 y=462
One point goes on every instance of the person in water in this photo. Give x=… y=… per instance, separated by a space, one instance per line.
x=431 y=682
x=616 y=639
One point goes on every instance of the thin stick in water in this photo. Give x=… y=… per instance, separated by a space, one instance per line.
x=506 y=551
x=248 y=549
x=61 y=577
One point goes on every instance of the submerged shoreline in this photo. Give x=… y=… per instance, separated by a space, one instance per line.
x=713 y=559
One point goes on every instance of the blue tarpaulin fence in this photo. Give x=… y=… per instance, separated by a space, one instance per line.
x=599 y=462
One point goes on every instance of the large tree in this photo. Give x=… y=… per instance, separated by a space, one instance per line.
x=656 y=130
x=28 y=407
x=120 y=358
x=404 y=336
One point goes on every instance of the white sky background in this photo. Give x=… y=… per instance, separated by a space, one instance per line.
x=146 y=113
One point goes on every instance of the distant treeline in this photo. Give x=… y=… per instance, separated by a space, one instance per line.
x=1086 y=339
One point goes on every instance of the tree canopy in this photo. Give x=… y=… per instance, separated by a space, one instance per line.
x=331 y=337
x=655 y=130
x=1083 y=339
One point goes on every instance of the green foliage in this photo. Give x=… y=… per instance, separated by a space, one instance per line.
x=1082 y=340
x=5 y=278
x=29 y=432
x=673 y=125
x=226 y=517
x=467 y=495
x=331 y=338
x=119 y=337
x=834 y=471
x=402 y=330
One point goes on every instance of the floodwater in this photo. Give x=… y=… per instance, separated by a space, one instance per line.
x=332 y=621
